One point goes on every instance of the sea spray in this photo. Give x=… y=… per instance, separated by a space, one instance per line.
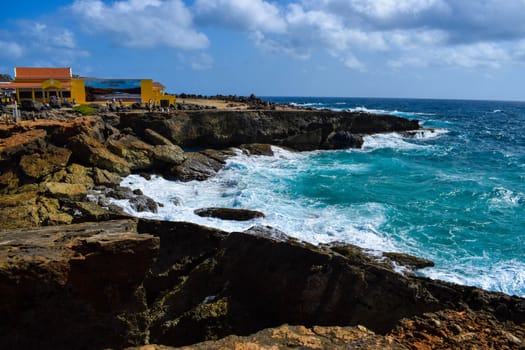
x=454 y=195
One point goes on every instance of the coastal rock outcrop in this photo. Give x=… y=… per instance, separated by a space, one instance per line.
x=75 y=286
x=129 y=282
x=132 y=282
x=229 y=213
x=297 y=129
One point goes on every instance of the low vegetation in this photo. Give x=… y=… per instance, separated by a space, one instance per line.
x=84 y=109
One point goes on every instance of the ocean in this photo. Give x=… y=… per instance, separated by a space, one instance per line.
x=455 y=196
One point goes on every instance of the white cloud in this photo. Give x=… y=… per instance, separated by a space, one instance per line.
x=384 y=9
x=352 y=62
x=471 y=56
x=396 y=33
x=249 y=15
x=142 y=23
x=37 y=41
x=9 y=49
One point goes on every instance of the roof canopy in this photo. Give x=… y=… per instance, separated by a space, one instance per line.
x=32 y=73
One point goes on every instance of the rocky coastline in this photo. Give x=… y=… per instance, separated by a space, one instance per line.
x=76 y=272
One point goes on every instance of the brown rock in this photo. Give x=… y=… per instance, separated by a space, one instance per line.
x=156 y=139
x=26 y=142
x=8 y=181
x=73 y=174
x=257 y=149
x=196 y=166
x=105 y=178
x=300 y=337
x=95 y=154
x=137 y=153
x=39 y=165
x=66 y=191
x=81 y=281
x=169 y=154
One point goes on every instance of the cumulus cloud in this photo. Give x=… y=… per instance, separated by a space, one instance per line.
x=250 y=15
x=11 y=50
x=36 y=41
x=466 y=33
x=142 y=23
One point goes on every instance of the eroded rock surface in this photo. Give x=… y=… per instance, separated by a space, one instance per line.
x=117 y=284
x=75 y=286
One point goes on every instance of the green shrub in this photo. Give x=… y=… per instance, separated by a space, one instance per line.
x=84 y=109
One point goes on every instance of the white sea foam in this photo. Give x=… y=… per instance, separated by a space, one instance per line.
x=390 y=140
x=503 y=197
x=260 y=183
x=505 y=276
x=264 y=183
x=426 y=134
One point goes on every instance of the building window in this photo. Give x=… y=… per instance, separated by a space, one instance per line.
x=25 y=95
x=39 y=94
x=66 y=94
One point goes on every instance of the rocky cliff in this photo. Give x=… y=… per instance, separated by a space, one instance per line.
x=77 y=273
x=132 y=282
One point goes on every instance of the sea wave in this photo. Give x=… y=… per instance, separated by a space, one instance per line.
x=507 y=276
x=396 y=141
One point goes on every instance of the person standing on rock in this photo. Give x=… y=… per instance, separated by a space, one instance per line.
x=15 y=109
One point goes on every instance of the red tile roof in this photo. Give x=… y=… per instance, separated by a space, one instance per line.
x=158 y=85
x=21 y=85
x=27 y=73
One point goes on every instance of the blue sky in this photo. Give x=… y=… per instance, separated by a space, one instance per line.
x=473 y=49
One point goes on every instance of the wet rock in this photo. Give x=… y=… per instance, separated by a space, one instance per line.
x=229 y=213
x=143 y=203
x=343 y=140
x=257 y=149
x=196 y=166
x=412 y=262
x=306 y=141
x=269 y=233
x=120 y=192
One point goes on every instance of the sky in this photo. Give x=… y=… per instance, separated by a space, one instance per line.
x=460 y=49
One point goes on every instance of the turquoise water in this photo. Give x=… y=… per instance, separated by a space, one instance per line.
x=455 y=196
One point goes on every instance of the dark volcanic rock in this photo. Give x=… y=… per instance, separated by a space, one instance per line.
x=102 y=285
x=142 y=203
x=241 y=283
x=229 y=213
x=343 y=139
x=257 y=149
x=75 y=287
x=299 y=129
x=197 y=166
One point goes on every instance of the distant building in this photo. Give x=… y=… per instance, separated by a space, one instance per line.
x=43 y=83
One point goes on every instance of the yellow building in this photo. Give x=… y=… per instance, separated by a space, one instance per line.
x=43 y=84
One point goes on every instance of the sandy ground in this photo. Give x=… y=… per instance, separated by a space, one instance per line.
x=219 y=104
